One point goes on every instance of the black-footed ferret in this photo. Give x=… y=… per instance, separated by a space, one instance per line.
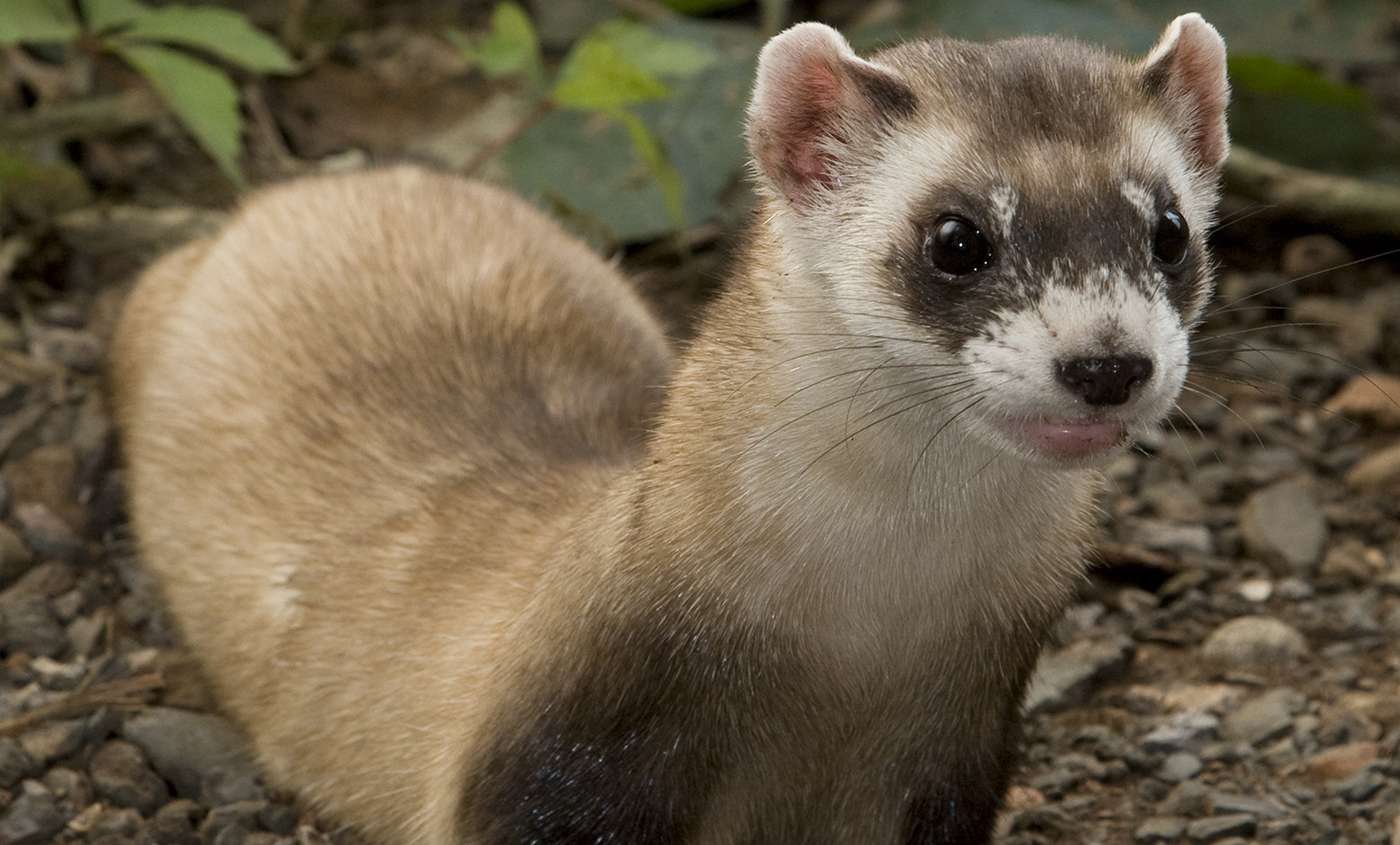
x=471 y=565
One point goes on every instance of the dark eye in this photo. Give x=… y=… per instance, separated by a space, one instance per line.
x=957 y=247
x=1172 y=238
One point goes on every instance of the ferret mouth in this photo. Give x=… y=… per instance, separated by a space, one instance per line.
x=1067 y=438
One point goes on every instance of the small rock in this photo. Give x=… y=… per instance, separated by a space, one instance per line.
x=1294 y=589
x=282 y=820
x=1180 y=766
x=1254 y=641
x=1070 y=771
x=1264 y=718
x=1342 y=761
x=47 y=475
x=1370 y=397
x=1160 y=829
x=1256 y=590
x=31 y=627
x=15 y=557
x=47 y=533
x=15 y=762
x=1377 y=472
x=1184 y=731
x=1218 y=827
x=1283 y=525
x=1060 y=677
x=52 y=740
x=1190 y=799
x=1226 y=803
x=31 y=818
x=121 y=775
x=1163 y=536
x=76 y=349
x=223 y=785
x=184 y=746
x=1360 y=786
x=177 y=822
x=241 y=818
x=1315 y=262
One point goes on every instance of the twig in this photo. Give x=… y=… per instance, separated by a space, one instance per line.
x=1352 y=203
x=93 y=116
x=494 y=148
x=125 y=691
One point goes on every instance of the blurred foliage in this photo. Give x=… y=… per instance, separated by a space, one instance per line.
x=165 y=45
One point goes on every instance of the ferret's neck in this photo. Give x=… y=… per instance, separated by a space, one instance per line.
x=810 y=479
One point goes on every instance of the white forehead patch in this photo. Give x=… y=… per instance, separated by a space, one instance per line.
x=1004 y=200
x=1141 y=200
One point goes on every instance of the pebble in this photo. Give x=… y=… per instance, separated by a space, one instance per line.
x=1184 y=731
x=45 y=532
x=1164 y=536
x=76 y=349
x=1266 y=717
x=1360 y=786
x=15 y=557
x=1226 y=803
x=184 y=746
x=1180 y=766
x=1254 y=641
x=1343 y=761
x=15 y=762
x=31 y=627
x=121 y=775
x=1369 y=397
x=177 y=823
x=1283 y=526
x=1160 y=829
x=32 y=817
x=1062 y=677
x=1256 y=589
x=1377 y=472
x=1219 y=827
x=52 y=740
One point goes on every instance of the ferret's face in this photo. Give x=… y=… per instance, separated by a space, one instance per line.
x=1026 y=217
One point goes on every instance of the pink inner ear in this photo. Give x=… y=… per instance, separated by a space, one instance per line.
x=1192 y=55
x=811 y=120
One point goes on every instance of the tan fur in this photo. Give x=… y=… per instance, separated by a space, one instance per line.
x=398 y=462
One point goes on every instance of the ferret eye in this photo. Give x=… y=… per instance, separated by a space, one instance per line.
x=1170 y=241
x=957 y=247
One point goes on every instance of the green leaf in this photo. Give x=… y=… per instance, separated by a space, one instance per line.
x=201 y=96
x=1267 y=75
x=598 y=77
x=511 y=48
x=222 y=32
x=37 y=22
x=675 y=58
x=668 y=179
x=104 y=15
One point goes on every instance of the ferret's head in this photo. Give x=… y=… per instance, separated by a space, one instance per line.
x=1029 y=213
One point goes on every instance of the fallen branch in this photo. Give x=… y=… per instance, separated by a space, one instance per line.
x=125 y=692
x=1321 y=197
x=93 y=116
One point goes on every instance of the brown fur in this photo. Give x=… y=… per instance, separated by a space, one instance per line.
x=398 y=461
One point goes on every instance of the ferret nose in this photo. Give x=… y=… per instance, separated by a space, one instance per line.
x=1104 y=381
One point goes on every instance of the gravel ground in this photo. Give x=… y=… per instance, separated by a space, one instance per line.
x=1228 y=674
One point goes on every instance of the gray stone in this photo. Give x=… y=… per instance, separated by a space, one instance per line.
x=1062 y=677
x=1069 y=771
x=222 y=785
x=15 y=762
x=15 y=557
x=1160 y=829
x=1163 y=536
x=1261 y=808
x=177 y=823
x=1216 y=828
x=31 y=627
x=1254 y=641
x=52 y=740
x=1283 y=525
x=74 y=348
x=1190 y=730
x=121 y=775
x=183 y=746
x=31 y=818
x=1360 y=786
x=1180 y=766
x=1108 y=745
x=1264 y=718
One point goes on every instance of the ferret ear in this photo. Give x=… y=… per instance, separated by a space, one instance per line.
x=812 y=96
x=1188 y=67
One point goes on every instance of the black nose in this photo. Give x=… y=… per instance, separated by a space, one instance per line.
x=1104 y=381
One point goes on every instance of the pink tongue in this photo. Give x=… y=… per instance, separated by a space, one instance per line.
x=1073 y=438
